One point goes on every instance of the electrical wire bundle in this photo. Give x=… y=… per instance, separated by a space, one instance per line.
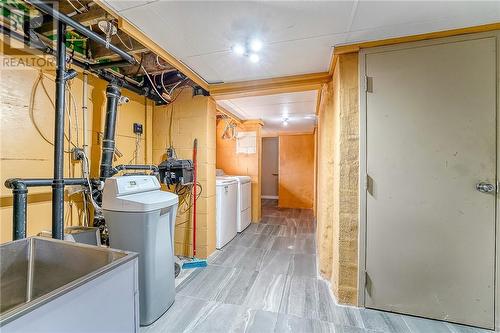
x=185 y=193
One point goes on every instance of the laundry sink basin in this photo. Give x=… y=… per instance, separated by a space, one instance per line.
x=42 y=277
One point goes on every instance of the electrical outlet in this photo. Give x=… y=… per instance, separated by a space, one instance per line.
x=77 y=154
x=137 y=128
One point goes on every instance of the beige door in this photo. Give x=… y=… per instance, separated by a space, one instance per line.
x=431 y=137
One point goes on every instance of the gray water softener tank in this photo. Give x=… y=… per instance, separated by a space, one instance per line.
x=141 y=218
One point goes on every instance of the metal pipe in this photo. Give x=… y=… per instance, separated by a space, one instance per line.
x=108 y=143
x=85 y=116
x=19 y=206
x=147 y=167
x=20 y=199
x=123 y=81
x=58 y=182
x=102 y=65
x=44 y=7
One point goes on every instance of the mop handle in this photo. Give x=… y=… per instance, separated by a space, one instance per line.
x=195 y=150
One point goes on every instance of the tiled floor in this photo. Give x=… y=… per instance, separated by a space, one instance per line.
x=265 y=280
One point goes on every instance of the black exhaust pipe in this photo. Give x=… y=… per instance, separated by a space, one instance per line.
x=58 y=182
x=113 y=95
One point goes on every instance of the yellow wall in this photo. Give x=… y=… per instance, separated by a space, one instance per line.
x=23 y=152
x=296 y=171
x=193 y=117
x=337 y=180
x=242 y=164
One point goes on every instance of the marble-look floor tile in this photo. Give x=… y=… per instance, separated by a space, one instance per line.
x=421 y=325
x=284 y=244
x=253 y=228
x=303 y=265
x=455 y=328
x=326 y=303
x=383 y=321
x=305 y=244
x=300 y=297
x=245 y=239
x=219 y=317
x=267 y=229
x=276 y=262
x=293 y=324
x=207 y=284
x=237 y=286
x=263 y=241
x=251 y=259
x=266 y=292
x=229 y=256
x=287 y=231
x=257 y=321
x=348 y=316
x=179 y=316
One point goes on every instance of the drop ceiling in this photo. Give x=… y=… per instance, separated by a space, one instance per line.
x=298 y=36
x=299 y=108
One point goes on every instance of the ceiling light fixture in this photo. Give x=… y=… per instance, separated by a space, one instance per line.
x=239 y=49
x=285 y=122
x=256 y=45
x=249 y=49
x=254 y=57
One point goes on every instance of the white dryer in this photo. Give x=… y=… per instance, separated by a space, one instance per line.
x=244 y=200
x=226 y=210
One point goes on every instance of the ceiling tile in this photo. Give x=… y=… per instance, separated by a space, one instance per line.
x=214 y=26
x=413 y=29
x=297 y=35
x=299 y=108
x=120 y=5
x=375 y=14
x=280 y=59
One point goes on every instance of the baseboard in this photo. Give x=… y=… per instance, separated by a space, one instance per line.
x=269 y=197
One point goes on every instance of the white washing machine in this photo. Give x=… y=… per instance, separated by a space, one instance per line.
x=244 y=202
x=226 y=210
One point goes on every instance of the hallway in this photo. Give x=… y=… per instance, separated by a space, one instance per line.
x=265 y=280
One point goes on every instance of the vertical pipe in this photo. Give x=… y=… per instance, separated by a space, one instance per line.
x=58 y=182
x=108 y=143
x=85 y=115
x=20 y=206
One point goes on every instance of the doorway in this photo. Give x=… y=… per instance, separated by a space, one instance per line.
x=270 y=167
x=429 y=154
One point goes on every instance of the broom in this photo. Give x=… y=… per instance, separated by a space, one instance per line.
x=194 y=262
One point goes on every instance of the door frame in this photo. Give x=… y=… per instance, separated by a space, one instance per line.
x=363 y=181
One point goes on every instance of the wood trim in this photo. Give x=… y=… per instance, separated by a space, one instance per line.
x=295 y=133
x=231 y=115
x=271 y=86
x=250 y=122
x=318 y=100
x=342 y=49
x=138 y=35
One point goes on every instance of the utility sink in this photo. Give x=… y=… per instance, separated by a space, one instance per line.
x=46 y=284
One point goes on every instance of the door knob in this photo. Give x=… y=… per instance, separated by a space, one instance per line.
x=485 y=187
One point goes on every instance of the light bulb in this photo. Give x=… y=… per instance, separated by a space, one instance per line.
x=256 y=45
x=254 y=58
x=285 y=122
x=239 y=49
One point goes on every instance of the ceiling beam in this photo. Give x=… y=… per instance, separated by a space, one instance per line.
x=285 y=84
x=94 y=15
x=137 y=34
x=100 y=52
x=231 y=115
